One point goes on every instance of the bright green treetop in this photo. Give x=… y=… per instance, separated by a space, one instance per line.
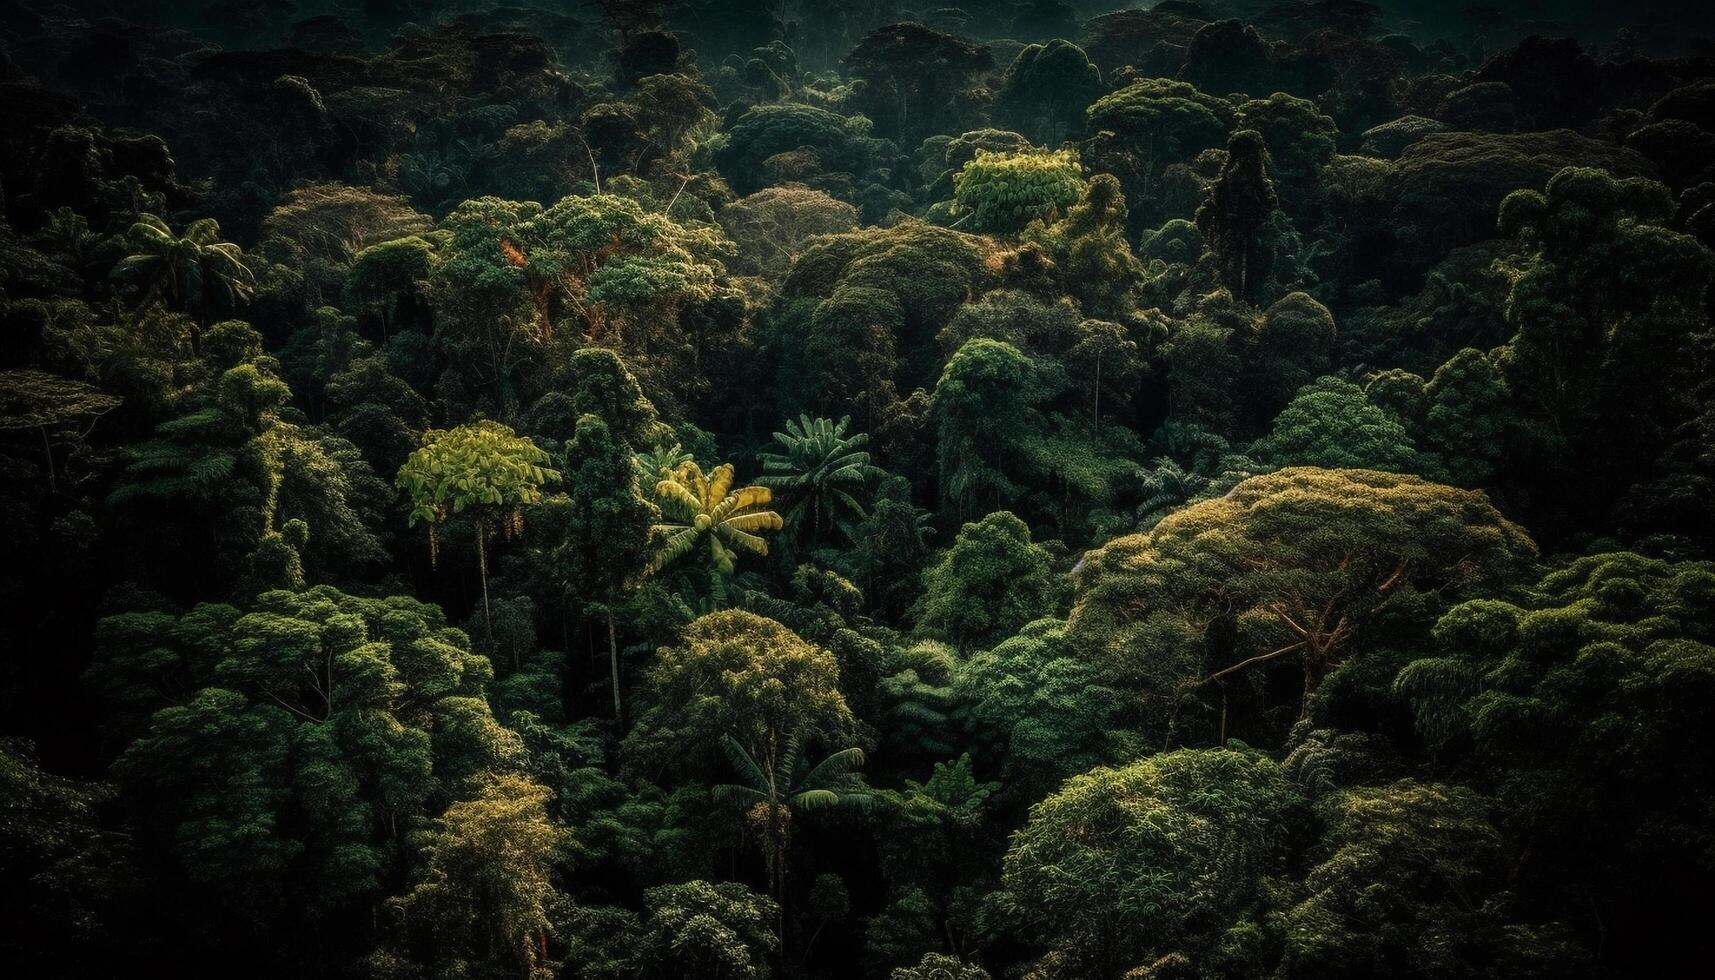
x=1003 y=192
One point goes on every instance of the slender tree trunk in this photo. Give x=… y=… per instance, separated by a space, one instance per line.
x=613 y=664
x=1096 y=408
x=482 y=570
x=48 y=449
x=1312 y=677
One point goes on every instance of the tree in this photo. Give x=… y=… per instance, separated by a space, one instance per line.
x=698 y=929
x=333 y=223
x=990 y=583
x=195 y=272
x=707 y=507
x=1469 y=418
x=1332 y=424
x=839 y=144
x=485 y=887
x=1300 y=139
x=778 y=785
x=279 y=752
x=1229 y=56
x=735 y=674
x=772 y=226
x=610 y=529
x=939 y=966
x=484 y=467
x=1608 y=306
x=602 y=262
x=673 y=110
x=1045 y=90
x=1139 y=130
x=1123 y=866
x=824 y=472
x=1104 y=344
x=386 y=275
x=1292 y=346
x=1001 y=193
x=914 y=79
x=1050 y=712
x=607 y=389
x=1445 y=189
x=1093 y=260
x=984 y=406
x=38 y=400
x=1573 y=706
x=1312 y=564
x=888 y=548
x=1405 y=884
x=1239 y=207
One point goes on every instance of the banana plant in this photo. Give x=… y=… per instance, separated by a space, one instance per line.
x=706 y=510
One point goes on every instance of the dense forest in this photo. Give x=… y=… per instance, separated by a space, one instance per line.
x=743 y=489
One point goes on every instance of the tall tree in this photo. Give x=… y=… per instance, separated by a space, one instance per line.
x=990 y=583
x=1302 y=565
x=781 y=783
x=610 y=538
x=1124 y=866
x=824 y=472
x=195 y=272
x=1240 y=204
x=483 y=467
x=485 y=889
x=706 y=508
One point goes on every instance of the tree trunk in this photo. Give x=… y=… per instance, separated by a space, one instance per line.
x=482 y=570
x=613 y=665
x=1096 y=408
x=48 y=449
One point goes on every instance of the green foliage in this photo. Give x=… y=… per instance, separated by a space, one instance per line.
x=984 y=405
x=1300 y=139
x=1407 y=883
x=1574 y=704
x=707 y=508
x=610 y=523
x=1003 y=193
x=195 y=271
x=481 y=465
x=1123 y=866
x=699 y=929
x=1318 y=565
x=939 y=966
x=1052 y=713
x=735 y=674
x=278 y=752
x=824 y=472
x=839 y=143
x=1240 y=205
x=1141 y=129
x=990 y=583
x=1133 y=401
x=1045 y=90
x=782 y=784
x=1332 y=424
x=485 y=888
x=1606 y=306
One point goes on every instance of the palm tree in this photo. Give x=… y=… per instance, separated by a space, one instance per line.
x=661 y=461
x=779 y=784
x=186 y=271
x=707 y=507
x=822 y=468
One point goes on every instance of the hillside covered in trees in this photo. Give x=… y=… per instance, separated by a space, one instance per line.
x=796 y=490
